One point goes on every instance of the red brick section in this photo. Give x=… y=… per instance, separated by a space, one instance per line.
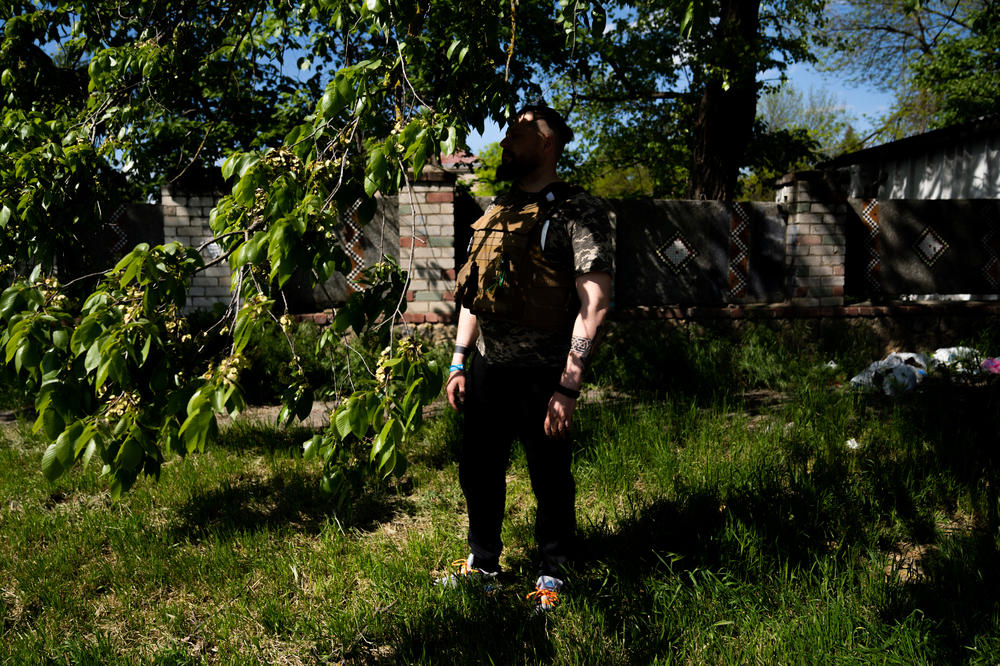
x=440 y=197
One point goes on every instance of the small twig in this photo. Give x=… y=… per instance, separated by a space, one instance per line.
x=402 y=67
x=197 y=152
x=244 y=232
x=84 y=277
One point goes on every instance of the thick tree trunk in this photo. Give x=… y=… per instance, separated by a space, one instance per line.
x=728 y=105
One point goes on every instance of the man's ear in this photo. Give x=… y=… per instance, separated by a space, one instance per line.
x=549 y=142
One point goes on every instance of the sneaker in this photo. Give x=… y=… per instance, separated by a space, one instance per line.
x=467 y=574
x=546 y=593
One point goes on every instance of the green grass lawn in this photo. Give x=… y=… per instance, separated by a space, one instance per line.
x=723 y=520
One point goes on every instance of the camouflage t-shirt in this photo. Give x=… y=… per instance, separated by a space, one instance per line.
x=580 y=238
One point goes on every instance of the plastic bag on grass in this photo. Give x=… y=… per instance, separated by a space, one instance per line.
x=897 y=373
x=960 y=360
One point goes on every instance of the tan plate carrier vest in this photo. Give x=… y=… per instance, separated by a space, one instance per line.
x=507 y=276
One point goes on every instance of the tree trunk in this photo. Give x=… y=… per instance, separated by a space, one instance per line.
x=728 y=105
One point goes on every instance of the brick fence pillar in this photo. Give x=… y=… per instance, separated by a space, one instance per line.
x=185 y=220
x=427 y=246
x=815 y=239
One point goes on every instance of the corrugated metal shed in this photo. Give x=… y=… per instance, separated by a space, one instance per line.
x=959 y=162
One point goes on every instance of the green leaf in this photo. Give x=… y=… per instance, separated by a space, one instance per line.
x=390 y=435
x=387 y=460
x=145 y=349
x=94 y=357
x=196 y=428
x=60 y=338
x=4 y=216
x=451 y=142
x=234 y=401
x=311 y=447
x=415 y=416
x=130 y=455
x=434 y=381
x=336 y=97
x=359 y=420
x=27 y=355
x=131 y=271
x=420 y=152
x=376 y=172
x=9 y=301
x=85 y=334
x=342 y=419
x=84 y=441
x=52 y=423
x=88 y=453
x=218 y=399
x=104 y=369
x=57 y=457
x=116 y=488
x=17 y=334
x=52 y=469
x=245 y=163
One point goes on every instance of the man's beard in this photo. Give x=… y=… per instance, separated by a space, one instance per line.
x=515 y=168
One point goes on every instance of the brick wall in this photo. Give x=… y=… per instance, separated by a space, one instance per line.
x=185 y=220
x=815 y=239
x=427 y=246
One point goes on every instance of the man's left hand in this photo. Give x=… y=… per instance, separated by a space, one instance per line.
x=559 y=418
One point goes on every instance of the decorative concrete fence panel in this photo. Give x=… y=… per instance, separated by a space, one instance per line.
x=924 y=247
x=698 y=252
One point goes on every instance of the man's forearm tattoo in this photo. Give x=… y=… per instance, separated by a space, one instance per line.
x=581 y=347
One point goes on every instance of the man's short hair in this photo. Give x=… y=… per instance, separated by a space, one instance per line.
x=553 y=119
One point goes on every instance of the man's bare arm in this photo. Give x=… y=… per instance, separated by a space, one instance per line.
x=465 y=338
x=594 y=290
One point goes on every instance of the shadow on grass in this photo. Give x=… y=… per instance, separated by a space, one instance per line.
x=829 y=505
x=473 y=628
x=287 y=499
x=955 y=591
x=292 y=502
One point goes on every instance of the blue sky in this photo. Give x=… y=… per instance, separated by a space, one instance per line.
x=864 y=104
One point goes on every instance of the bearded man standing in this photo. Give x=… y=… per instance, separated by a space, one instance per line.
x=533 y=296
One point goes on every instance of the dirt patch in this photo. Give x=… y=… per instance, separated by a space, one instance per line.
x=909 y=562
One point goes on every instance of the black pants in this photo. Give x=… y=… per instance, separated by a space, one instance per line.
x=502 y=403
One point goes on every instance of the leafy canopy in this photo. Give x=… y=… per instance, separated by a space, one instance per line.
x=312 y=108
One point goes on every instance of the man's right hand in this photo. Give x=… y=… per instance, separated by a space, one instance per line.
x=456 y=389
